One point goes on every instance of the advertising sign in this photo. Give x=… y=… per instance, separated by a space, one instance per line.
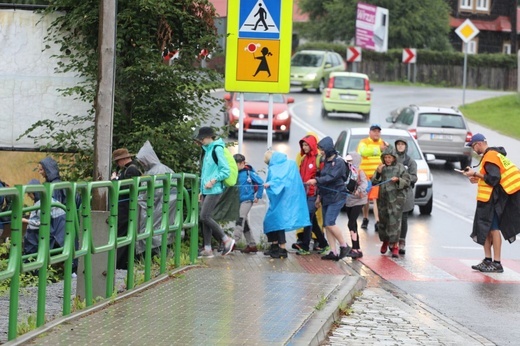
x=372 y=27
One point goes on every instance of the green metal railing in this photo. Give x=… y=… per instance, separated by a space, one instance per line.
x=79 y=226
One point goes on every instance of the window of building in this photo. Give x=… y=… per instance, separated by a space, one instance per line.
x=483 y=5
x=506 y=48
x=472 y=46
x=466 y=4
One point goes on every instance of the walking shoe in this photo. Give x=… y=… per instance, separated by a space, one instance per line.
x=325 y=250
x=303 y=252
x=279 y=253
x=228 y=246
x=481 y=265
x=355 y=254
x=297 y=245
x=402 y=245
x=376 y=226
x=272 y=248
x=344 y=251
x=493 y=267
x=331 y=257
x=364 y=224
x=384 y=247
x=317 y=248
x=250 y=249
x=206 y=254
x=395 y=252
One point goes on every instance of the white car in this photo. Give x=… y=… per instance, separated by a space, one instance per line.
x=348 y=141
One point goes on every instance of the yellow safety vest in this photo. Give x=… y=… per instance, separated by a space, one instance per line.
x=370 y=152
x=509 y=176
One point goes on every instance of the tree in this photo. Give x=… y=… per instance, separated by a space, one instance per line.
x=418 y=24
x=153 y=100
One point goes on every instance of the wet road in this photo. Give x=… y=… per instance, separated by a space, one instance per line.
x=436 y=269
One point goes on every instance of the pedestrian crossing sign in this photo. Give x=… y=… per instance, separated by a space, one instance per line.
x=258 y=46
x=258 y=20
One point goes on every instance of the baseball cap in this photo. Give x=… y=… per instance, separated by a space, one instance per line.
x=375 y=127
x=203 y=132
x=477 y=137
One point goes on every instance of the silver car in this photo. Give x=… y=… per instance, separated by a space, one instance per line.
x=348 y=141
x=443 y=132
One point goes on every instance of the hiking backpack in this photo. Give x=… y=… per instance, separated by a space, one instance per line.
x=233 y=168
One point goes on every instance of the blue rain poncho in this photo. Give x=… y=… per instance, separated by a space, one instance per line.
x=287 y=198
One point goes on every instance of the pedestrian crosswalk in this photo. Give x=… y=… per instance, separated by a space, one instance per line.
x=439 y=269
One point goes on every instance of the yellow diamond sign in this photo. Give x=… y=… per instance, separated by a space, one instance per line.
x=467 y=31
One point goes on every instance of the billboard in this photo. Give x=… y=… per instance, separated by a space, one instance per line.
x=372 y=27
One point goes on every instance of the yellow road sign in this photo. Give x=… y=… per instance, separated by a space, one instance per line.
x=258 y=46
x=467 y=31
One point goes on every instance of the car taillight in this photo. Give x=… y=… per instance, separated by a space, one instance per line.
x=413 y=132
x=468 y=137
x=367 y=89
x=329 y=87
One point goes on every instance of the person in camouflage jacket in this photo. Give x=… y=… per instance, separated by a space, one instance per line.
x=394 y=181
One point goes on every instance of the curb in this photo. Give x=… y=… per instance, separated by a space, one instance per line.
x=316 y=328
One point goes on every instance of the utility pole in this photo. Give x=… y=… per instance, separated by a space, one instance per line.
x=104 y=102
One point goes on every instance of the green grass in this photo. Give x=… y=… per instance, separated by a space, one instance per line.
x=500 y=113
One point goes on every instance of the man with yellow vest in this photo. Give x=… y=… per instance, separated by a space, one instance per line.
x=498 y=202
x=370 y=149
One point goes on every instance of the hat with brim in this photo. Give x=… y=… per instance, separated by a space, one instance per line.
x=203 y=132
x=375 y=127
x=477 y=137
x=119 y=154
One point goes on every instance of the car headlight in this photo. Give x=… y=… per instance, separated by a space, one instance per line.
x=311 y=76
x=422 y=175
x=236 y=112
x=283 y=116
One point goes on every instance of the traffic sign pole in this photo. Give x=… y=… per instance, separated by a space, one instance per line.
x=464 y=74
x=466 y=31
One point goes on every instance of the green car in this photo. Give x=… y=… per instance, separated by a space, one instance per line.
x=347 y=93
x=310 y=69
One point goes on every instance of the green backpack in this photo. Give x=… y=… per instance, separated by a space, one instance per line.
x=233 y=168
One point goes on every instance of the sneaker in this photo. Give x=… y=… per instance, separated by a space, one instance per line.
x=493 y=267
x=279 y=253
x=228 y=246
x=395 y=252
x=481 y=265
x=317 y=248
x=206 y=254
x=74 y=275
x=331 y=257
x=303 y=252
x=376 y=226
x=271 y=249
x=297 y=245
x=364 y=224
x=250 y=249
x=384 y=247
x=355 y=254
x=344 y=251
x=325 y=250
x=402 y=245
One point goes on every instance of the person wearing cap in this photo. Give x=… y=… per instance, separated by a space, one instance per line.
x=127 y=169
x=401 y=148
x=370 y=149
x=251 y=189
x=211 y=188
x=354 y=204
x=498 y=202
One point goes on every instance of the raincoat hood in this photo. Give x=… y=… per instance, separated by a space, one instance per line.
x=277 y=158
x=390 y=150
x=405 y=143
x=328 y=146
x=356 y=159
x=50 y=167
x=150 y=161
x=312 y=142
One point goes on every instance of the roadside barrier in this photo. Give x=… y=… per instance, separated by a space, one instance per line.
x=78 y=230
